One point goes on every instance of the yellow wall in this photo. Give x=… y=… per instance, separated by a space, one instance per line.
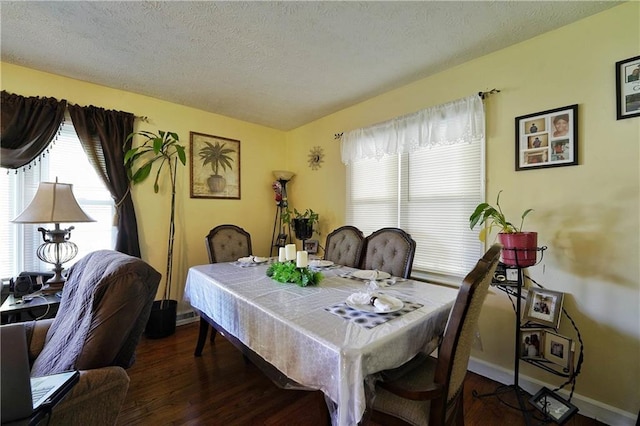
x=260 y=149
x=587 y=215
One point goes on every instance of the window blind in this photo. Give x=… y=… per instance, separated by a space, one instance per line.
x=429 y=191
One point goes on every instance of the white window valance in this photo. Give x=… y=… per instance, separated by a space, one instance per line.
x=459 y=121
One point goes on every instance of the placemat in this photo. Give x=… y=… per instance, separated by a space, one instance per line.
x=370 y=319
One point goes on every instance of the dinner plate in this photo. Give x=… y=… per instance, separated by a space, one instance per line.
x=397 y=305
x=371 y=275
x=253 y=259
x=320 y=263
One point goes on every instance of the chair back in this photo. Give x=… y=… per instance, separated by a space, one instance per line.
x=227 y=243
x=455 y=349
x=344 y=246
x=104 y=308
x=390 y=250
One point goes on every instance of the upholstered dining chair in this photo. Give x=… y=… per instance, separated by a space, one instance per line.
x=225 y=243
x=390 y=250
x=103 y=311
x=429 y=391
x=344 y=246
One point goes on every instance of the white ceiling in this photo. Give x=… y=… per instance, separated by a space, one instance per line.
x=278 y=64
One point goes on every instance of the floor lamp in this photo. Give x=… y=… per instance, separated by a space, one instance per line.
x=54 y=203
x=281 y=231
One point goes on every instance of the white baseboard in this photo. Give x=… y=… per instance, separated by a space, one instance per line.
x=587 y=407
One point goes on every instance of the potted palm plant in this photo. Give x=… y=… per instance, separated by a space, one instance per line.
x=519 y=248
x=217 y=156
x=163 y=148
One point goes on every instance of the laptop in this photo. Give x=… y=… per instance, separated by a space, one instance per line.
x=22 y=395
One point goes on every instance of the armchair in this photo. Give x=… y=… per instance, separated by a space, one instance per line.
x=104 y=308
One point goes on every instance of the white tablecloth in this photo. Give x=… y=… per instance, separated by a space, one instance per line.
x=289 y=327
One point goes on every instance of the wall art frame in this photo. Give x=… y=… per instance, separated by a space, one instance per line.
x=628 y=88
x=553 y=406
x=215 y=167
x=543 y=307
x=547 y=139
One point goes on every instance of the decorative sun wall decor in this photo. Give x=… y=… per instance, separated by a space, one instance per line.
x=316 y=158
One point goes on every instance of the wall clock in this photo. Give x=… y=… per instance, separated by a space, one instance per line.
x=316 y=158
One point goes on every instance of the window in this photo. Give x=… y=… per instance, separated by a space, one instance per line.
x=67 y=161
x=429 y=191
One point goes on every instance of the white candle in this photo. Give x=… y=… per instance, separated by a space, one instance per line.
x=290 y=251
x=302 y=259
x=282 y=255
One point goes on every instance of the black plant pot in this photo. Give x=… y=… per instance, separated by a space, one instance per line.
x=303 y=229
x=162 y=321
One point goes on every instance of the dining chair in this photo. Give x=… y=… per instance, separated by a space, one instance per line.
x=225 y=243
x=344 y=246
x=390 y=250
x=429 y=391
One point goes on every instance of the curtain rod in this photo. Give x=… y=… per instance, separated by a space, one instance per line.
x=483 y=95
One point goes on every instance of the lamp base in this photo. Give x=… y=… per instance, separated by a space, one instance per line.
x=51 y=288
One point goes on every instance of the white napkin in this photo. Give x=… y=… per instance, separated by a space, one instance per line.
x=247 y=259
x=381 y=303
x=360 y=298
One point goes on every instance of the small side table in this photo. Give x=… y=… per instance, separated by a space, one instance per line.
x=15 y=310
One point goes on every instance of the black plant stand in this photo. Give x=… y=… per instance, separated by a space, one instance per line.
x=281 y=231
x=521 y=394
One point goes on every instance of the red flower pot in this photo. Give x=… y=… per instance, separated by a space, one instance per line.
x=519 y=249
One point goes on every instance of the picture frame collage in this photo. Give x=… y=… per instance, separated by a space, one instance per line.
x=547 y=138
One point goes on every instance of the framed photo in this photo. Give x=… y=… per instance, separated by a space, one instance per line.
x=505 y=276
x=543 y=307
x=628 y=88
x=532 y=343
x=311 y=246
x=553 y=406
x=547 y=139
x=215 y=167
x=558 y=350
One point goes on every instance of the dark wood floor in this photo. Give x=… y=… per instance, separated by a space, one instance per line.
x=169 y=386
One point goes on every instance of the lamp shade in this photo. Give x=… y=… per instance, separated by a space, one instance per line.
x=54 y=203
x=283 y=175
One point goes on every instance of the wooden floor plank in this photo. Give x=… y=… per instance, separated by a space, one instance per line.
x=169 y=386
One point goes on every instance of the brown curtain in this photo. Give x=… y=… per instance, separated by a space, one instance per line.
x=28 y=125
x=103 y=135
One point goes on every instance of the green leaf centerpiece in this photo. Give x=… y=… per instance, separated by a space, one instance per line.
x=287 y=272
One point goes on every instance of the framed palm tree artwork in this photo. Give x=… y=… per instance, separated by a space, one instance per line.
x=215 y=167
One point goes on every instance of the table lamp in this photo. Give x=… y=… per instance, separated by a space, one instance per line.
x=54 y=203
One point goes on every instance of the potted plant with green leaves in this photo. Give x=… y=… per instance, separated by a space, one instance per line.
x=218 y=157
x=163 y=149
x=519 y=247
x=304 y=223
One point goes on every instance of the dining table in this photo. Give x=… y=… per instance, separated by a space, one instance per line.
x=313 y=335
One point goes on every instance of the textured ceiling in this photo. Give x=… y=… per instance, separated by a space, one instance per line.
x=279 y=64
